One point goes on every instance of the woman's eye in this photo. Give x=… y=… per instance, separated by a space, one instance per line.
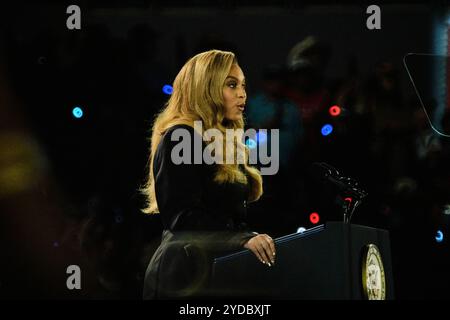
x=232 y=85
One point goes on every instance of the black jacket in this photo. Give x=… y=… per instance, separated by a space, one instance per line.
x=201 y=219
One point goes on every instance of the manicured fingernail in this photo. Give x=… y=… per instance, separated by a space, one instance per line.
x=273 y=261
x=269 y=264
x=273 y=253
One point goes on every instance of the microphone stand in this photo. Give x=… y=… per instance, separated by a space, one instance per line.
x=352 y=197
x=349 y=208
x=349 y=192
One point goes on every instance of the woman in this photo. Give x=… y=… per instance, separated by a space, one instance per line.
x=202 y=206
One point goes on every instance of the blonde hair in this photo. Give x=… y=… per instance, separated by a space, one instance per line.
x=198 y=96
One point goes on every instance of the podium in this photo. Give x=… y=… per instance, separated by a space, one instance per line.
x=334 y=261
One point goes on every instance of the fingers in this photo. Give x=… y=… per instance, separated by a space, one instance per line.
x=264 y=251
x=261 y=254
x=252 y=245
x=270 y=250
x=264 y=248
x=272 y=247
x=257 y=254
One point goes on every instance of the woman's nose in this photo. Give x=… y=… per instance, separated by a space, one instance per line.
x=242 y=93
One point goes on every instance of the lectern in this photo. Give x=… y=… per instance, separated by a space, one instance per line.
x=337 y=260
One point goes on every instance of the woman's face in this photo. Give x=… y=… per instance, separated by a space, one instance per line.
x=234 y=94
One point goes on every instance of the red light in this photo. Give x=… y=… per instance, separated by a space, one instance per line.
x=314 y=217
x=335 y=111
x=348 y=199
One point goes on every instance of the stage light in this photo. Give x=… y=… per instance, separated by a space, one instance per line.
x=327 y=129
x=447 y=209
x=334 y=111
x=167 y=89
x=261 y=136
x=301 y=230
x=439 y=236
x=314 y=217
x=77 y=112
x=250 y=143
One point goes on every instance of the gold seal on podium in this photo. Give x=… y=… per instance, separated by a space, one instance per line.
x=373 y=279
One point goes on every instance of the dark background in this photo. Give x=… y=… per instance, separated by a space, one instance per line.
x=69 y=187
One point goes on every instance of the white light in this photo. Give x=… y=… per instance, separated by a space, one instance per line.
x=447 y=209
x=301 y=230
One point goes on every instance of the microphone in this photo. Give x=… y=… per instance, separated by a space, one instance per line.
x=349 y=194
x=345 y=186
x=330 y=169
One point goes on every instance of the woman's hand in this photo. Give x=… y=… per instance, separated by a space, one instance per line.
x=263 y=247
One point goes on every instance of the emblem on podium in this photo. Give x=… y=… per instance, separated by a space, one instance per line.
x=373 y=278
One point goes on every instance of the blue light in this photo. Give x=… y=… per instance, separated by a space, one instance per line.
x=167 y=89
x=261 y=136
x=250 y=143
x=327 y=129
x=439 y=236
x=77 y=112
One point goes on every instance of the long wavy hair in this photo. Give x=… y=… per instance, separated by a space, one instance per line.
x=198 y=96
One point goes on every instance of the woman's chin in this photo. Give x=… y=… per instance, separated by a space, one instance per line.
x=234 y=118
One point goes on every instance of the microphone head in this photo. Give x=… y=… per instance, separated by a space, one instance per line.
x=321 y=170
x=333 y=171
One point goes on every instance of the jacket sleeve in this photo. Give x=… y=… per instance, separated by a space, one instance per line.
x=179 y=191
